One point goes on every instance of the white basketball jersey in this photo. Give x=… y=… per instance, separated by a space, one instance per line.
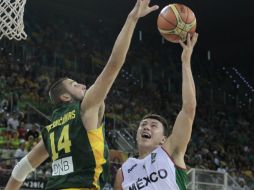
x=154 y=172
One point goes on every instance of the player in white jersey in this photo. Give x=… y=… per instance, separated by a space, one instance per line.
x=160 y=165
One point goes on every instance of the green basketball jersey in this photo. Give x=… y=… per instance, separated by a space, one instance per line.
x=79 y=157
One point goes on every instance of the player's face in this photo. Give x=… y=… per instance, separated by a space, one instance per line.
x=76 y=90
x=150 y=133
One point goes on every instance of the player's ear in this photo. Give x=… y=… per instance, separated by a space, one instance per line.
x=65 y=97
x=163 y=140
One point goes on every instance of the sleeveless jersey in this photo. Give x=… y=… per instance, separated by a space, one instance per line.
x=154 y=172
x=79 y=157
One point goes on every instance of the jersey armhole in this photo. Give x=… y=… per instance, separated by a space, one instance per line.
x=122 y=173
x=170 y=157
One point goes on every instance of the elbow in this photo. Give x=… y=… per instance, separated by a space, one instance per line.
x=190 y=108
x=116 y=60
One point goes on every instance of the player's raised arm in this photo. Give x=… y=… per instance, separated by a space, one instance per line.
x=97 y=93
x=27 y=164
x=177 y=143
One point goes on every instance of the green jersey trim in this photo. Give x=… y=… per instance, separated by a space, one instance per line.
x=181 y=178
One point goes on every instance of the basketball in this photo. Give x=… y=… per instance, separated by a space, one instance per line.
x=175 y=21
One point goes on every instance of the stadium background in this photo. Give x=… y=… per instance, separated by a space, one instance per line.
x=75 y=39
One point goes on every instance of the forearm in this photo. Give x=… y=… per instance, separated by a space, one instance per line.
x=13 y=184
x=123 y=40
x=188 y=89
x=97 y=93
x=19 y=173
x=26 y=165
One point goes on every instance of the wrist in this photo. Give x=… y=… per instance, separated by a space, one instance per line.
x=133 y=17
x=186 y=59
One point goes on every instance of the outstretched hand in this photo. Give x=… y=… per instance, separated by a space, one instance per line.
x=188 y=47
x=142 y=8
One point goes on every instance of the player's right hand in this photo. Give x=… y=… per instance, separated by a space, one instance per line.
x=188 y=47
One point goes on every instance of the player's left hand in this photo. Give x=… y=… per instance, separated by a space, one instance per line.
x=142 y=8
x=188 y=47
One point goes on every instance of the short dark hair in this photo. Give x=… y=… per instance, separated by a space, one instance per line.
x=56 y=89
x=161 y=119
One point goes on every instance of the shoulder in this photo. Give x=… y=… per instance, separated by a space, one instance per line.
x=129 y=165
x=45 y=130
x=130 y=161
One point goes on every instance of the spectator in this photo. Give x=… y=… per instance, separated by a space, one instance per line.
x=21 y=151
x=13 y=122
x=34 y=132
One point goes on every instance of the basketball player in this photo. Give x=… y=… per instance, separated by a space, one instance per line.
x=75 y=140
x=160 y=164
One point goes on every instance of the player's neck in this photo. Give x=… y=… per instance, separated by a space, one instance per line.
x=144 y=151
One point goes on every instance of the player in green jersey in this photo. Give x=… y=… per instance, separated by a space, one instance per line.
x=75 y=139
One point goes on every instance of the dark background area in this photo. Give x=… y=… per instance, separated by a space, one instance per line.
x=225 y=27
x=74 y=37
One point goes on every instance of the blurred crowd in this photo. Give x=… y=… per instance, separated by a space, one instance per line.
x=150 y=82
